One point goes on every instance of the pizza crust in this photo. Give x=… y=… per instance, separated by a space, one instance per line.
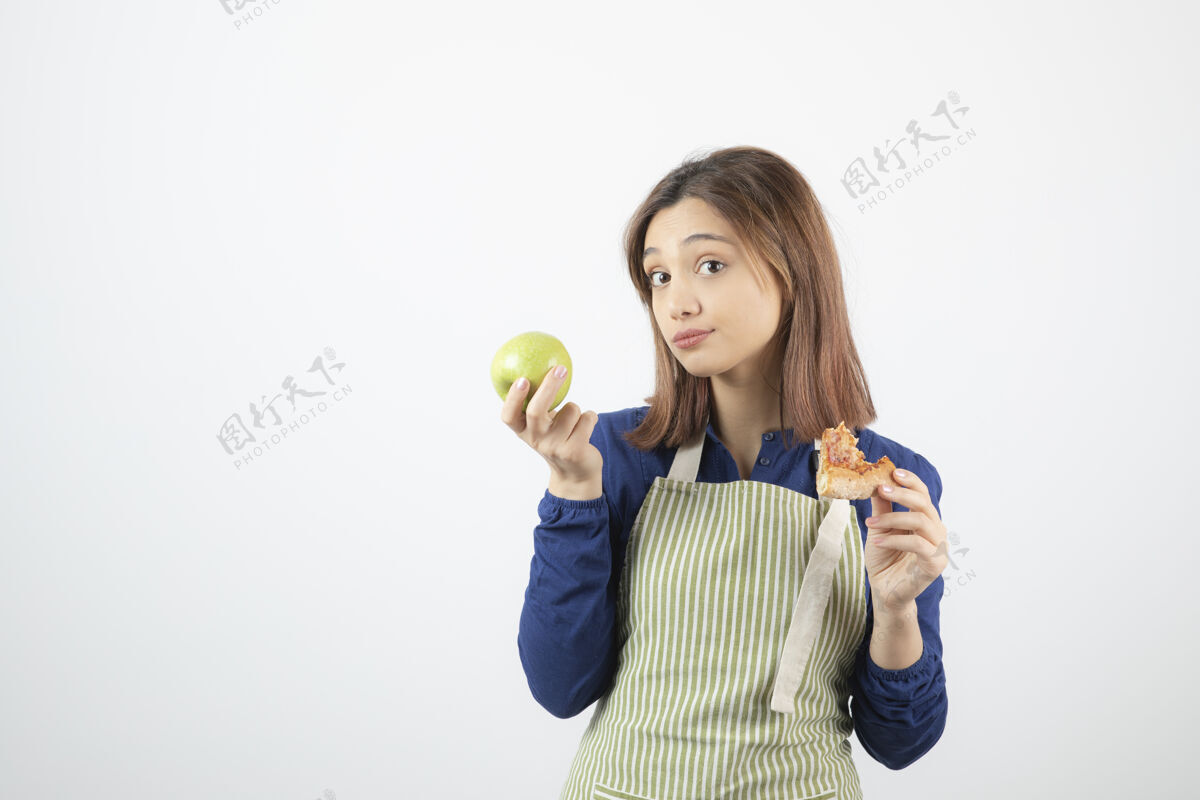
x=844 y=473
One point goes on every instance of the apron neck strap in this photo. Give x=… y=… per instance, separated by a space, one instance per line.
x=686 y=464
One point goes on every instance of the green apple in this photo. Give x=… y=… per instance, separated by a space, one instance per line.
x=531 y=354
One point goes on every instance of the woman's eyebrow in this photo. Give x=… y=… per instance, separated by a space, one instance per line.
x=695 y=237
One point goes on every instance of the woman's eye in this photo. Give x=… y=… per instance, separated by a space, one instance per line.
x=650 y=277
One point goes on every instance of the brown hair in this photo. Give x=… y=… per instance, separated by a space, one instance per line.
x=779 y=220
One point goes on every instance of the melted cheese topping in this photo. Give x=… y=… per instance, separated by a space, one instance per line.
x=838 y=447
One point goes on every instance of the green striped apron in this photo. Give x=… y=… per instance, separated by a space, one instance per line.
x=740 y=609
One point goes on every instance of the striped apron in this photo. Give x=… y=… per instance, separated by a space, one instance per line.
x=740 y=610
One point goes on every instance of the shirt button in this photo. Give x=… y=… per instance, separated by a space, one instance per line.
x=764 y=461
x=768 y=436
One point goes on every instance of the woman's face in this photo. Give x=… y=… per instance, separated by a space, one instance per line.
x=699 y=282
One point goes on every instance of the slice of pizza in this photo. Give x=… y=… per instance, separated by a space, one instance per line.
x=844 y=473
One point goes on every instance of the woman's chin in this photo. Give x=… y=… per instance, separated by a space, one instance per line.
x=699 y=371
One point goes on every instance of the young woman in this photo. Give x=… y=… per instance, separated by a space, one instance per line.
x=676 y=575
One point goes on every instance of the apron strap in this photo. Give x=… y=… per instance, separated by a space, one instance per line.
x=809 y=608
x=686 y=464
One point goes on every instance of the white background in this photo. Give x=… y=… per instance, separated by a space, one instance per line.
x=191 y=212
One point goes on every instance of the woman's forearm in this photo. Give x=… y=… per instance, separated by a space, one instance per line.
x=896 y=641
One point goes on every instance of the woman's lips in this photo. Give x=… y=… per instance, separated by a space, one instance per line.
x=692 y=341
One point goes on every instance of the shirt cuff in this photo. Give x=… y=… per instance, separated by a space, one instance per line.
x=903 y=681
x=553 y=501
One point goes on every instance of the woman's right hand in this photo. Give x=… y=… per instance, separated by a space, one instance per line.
x=562 y=438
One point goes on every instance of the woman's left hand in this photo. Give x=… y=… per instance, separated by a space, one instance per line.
x=906 y=550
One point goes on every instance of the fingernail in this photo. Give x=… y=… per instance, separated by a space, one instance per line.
x=887 y=490
x=520 y=384
x=560 y=371
x=901 y=473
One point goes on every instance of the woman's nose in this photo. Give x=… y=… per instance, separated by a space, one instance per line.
x=682 y=300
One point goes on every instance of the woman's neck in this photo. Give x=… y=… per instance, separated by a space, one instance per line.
x=741 y=414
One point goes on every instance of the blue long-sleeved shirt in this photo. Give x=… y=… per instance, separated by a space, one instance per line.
x=567 y=637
